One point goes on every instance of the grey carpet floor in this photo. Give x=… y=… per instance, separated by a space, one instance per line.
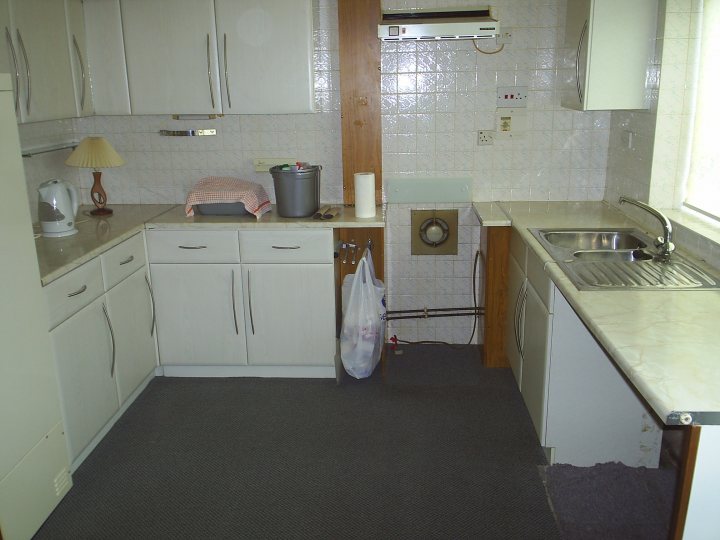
x=436 y=447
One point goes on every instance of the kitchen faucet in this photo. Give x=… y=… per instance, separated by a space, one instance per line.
x=664 y=242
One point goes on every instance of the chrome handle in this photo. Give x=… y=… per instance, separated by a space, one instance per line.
x=79 y=291
x=152 y=304
x=227 y=80
x=577 y=61
x=521 y=317
x=516 y=322
x=252 y=321
x=82 y=72
x=27 y=70
x=192 y=247
x=130 y=259
x=344 y=257
x=232 y=292
x=354 y=254
x=17 y=69
x=285 y=247
x=212 y=92
x=112 y=340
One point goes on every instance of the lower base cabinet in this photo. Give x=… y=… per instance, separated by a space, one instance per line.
x=200 y=318
x=83 y=347
x=290 y=314
x=131 y=314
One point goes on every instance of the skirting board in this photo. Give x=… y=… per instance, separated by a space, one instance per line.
x=292 y=372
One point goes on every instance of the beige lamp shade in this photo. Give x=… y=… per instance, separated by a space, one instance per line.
x=94 y=153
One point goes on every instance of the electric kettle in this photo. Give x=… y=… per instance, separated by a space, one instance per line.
x=57 y=204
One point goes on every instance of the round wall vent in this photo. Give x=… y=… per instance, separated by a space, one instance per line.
x=434 y=231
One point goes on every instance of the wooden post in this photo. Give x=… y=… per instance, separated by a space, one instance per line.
x=496 y=285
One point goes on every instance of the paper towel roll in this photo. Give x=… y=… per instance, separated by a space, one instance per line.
x=364 y=194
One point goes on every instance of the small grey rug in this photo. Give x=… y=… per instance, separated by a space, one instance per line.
x=291 y=458
x=611 y=501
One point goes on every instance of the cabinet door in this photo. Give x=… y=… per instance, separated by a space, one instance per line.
x=171 y=55
x=199 y=313
x=84 y=356
x=290 y=314
x=78 y=57
x=267 y=51
x=130 y=307
x=536 y=355
x=43 y=51
x=513 y=318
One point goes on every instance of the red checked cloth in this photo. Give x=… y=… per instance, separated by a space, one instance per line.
x=225 y=189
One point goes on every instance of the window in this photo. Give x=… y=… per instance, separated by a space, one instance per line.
x=703 y=182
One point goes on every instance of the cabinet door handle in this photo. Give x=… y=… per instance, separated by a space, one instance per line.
x=227 y=80
x=192 y=247
x=515 y=319
x=285 y=247
x=212 y=92
x=152 y=304
x=17 y=69
x=27 y=70
x=112 y=340
x=130 y=259
x=252 y=321
x=232 y=293
x=521 y=321
x=82 y=72
x=79 y=291
x=577 y=61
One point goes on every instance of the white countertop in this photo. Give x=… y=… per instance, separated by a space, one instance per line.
x=665 y=342
x=58 y=256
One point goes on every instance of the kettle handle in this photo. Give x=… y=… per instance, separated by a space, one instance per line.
x=74 y=198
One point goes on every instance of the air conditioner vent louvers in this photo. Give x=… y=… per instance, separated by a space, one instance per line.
x=438 y=25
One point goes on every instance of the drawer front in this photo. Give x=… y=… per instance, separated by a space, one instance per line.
x=540 y=280
x=518 y=249
x=287 y=246
x=193 y=246
x=122 y=260
x=72 y=292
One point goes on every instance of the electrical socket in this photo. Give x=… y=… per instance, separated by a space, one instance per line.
x=485 y=138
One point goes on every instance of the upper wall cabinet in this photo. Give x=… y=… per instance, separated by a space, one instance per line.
x=613 y=42
x=171 y=56
x=36 y=39
x=266 y=51
x=78 y=56
x=106 y=56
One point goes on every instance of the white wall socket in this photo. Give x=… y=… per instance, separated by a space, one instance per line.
x=512 y=96
x=264 y=164
x=505 y=37
x=485 y=138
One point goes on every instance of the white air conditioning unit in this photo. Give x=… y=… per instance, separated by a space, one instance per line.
x=425 y=25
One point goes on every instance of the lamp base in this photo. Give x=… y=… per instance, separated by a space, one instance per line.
x=101 y=212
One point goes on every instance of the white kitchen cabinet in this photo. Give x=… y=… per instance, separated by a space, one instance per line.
x=41 y=49
x=78 y=57
x=171 y=56
x=199 y=316
x=593 y=414
x=84 y=355
x=613 y=43
x=536 y=359
x=290 y=314
x=131 y=314
x=106 y=57
x=266 y=51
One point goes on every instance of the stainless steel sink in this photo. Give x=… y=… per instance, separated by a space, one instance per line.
x=582 y=239
x=619 y=259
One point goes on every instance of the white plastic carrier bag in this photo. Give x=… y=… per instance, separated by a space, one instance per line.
x=363 y=328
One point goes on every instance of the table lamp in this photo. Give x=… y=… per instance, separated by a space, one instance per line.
x=96 y=153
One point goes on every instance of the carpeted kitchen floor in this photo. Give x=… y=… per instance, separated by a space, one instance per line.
x=432 y=446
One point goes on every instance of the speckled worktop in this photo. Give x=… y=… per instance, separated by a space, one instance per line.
x=665 y=342
x=58 y=256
